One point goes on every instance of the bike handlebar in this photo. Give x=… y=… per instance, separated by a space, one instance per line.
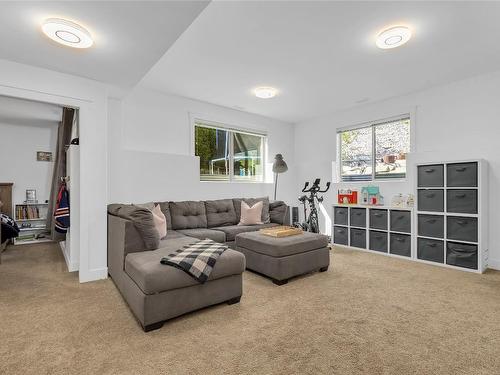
x=327 y=188
x=315 y=187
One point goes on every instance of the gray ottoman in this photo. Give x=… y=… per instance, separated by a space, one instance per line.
x=285 y=257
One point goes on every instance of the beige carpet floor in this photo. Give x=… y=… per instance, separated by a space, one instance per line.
x=368 y=314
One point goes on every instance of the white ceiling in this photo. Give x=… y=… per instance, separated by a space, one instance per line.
x=129 y=36
x=15 y=111
x=322 y=56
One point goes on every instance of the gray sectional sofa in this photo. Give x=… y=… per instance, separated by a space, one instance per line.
x=155 y=292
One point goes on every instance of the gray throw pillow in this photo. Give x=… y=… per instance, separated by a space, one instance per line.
x=278 y=211
x=142 y=218
x=148 y=205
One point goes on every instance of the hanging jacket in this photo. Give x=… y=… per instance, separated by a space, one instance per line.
x=61 y=212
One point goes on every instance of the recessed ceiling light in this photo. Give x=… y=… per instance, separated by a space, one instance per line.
x=68 y=33
x=393 y=37
x=265 y=92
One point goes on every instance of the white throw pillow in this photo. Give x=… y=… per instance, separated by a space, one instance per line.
x=160 y=221
x=251 y=215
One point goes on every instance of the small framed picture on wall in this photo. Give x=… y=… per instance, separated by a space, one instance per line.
x=43 y=156
x=31 y=196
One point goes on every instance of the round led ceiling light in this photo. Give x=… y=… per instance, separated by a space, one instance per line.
x=67 y=33
x=265 y=92
x=393 y=37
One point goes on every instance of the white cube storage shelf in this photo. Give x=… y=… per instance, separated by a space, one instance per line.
x=447 y=227
x=380 y=229
x=451 y=214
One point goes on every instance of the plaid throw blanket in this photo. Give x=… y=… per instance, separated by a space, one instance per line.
x=197 y=259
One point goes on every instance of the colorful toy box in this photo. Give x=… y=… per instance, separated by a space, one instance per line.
x=345 y=196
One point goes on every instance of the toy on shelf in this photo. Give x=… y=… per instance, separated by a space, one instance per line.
x=404 y=201
x=410 y=200
x=347 y=196
x=370 y=195
x=398 y=201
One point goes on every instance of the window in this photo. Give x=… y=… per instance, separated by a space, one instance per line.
x=227 y=154
x=375 y=151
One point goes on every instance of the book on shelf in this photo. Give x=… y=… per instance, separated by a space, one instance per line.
x=27 y=212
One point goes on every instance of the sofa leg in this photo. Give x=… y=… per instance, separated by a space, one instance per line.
x=280 y=282
x=234 y=300
x=152 y=327
x=323 y=269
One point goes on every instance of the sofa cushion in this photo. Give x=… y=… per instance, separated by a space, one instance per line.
x=153 y=277
x=284 y=246
x=251 y=202
x=277 y=211
x=164 y=206
x=171 y=235
x=142 y=218
x=188 y=215
x=220 y=212
x=232 y=231
x=203 y=233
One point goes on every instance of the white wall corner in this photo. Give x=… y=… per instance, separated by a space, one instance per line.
x=93 y=274
x=494 y=264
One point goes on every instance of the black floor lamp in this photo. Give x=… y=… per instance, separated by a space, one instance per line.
x=279 y=166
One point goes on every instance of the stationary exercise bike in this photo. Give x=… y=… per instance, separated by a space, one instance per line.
x=311 y=223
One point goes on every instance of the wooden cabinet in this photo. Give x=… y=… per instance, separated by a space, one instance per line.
x=6 y=197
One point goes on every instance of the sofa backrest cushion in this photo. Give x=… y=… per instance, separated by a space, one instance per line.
x=251 y=201
x=142 y=218
x=220 y=213
x=188 y=215
x=278 y=212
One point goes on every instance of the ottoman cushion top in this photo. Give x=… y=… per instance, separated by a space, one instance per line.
x=280 y=247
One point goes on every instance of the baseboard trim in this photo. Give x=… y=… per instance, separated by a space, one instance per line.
x=93 y=274
x=72 y=267
x=494 y=264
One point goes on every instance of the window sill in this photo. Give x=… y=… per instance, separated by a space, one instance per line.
x=236 y=182
x=399 y=180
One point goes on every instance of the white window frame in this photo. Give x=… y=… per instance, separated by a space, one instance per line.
x=372 y=125
x=232 y=129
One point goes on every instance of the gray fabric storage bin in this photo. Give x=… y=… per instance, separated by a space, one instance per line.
x=431 y=175
x=431 y=226
x=400 y=244
x=461 y=255
x=358 y=238
x=400 y=221
x=461 y=175
x=378 y=218
x=431 y=250
x=358 y=217
x=378 y=241
x=461 y=228
x=340 y=235
x=461 y=201
x=340 y=215
x=431 y=200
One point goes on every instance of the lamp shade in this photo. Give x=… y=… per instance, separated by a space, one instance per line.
x=279 y=165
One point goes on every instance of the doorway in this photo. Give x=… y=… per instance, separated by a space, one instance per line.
x=36 y=165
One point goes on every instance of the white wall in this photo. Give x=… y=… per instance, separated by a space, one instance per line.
x=23 y=81
x=150 y=150
x=461 y=119
x=18 y=147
